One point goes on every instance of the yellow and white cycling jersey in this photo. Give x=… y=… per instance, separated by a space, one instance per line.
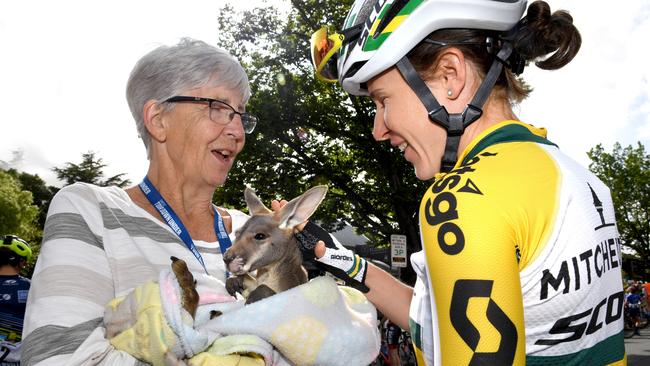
x=521 y=261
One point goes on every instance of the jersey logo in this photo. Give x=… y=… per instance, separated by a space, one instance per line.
x=464 y=290
x=593 y=263
x=608 y=310
x=580 y=271
x=441 y=210
x=599 y=207
x=470 y=187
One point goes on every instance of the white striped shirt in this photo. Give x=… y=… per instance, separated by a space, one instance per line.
x=97 y=245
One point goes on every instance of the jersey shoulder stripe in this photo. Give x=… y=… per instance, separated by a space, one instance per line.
x=507 y=131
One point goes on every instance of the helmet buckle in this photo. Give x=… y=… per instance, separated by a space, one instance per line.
x=471 y=114
x=455 y=127
x=439 y=115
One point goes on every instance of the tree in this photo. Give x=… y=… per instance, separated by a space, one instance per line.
x=41 y=193
x=18 y=214
x=626 y=171
x=90 y=170
x=314 y=133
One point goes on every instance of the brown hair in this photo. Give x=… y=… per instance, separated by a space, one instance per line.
x=536 y=35
x=8 y=257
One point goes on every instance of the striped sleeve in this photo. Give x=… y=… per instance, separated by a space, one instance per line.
x=70 y=287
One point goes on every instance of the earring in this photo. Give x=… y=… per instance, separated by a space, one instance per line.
x=449 y=92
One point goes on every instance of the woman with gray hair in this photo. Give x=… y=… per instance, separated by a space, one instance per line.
x=99 y=243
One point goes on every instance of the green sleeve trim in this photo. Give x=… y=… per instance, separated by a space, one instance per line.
x=508 y=133
x=414 y=329
x=605 y=352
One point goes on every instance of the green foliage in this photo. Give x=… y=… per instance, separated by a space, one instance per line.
x=311 y=132
x=18 y=214
x=42 y=193
x=626 y=171
x=90 y=170
x=25 y=198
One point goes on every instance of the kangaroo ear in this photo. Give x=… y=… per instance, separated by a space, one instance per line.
x=255 y=205
x=299 y=209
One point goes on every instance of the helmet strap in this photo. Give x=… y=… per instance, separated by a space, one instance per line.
x=454 y=123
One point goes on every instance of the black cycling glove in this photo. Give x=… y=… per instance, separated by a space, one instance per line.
x=338 y=260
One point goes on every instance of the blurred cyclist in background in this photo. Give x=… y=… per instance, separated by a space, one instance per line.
x=393 y=333
x=14 y=255
x=633 y=305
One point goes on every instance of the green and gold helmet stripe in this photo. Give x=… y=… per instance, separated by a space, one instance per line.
x=372 y=44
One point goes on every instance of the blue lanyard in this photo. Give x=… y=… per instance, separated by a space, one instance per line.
x=176 y=224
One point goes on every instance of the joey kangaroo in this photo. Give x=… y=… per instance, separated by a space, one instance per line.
x=189 y=296
x=266 y=244
x=187 y=283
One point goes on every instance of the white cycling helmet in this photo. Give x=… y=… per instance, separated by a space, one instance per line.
x=389 y=29
x=378 y=34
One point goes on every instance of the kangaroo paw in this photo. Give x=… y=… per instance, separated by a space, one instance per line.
x=190 y=297
x=234 y=285
x=260 y=292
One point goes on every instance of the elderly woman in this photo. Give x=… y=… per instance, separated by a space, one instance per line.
x=188 y=101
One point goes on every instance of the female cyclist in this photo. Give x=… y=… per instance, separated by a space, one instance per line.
x=521 y=260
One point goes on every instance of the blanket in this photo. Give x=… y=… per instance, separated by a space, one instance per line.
x=317 y=323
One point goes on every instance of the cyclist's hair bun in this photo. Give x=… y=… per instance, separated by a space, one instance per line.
x=541 y=32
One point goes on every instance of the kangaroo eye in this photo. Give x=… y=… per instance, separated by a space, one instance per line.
x=260 y=236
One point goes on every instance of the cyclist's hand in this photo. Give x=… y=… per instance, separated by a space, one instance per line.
x=327 y=253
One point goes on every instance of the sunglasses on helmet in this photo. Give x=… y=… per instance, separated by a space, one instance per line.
x=324 y=50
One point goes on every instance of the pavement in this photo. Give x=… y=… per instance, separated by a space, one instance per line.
x=638 y=349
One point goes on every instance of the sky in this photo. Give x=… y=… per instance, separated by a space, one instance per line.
x=64 y=66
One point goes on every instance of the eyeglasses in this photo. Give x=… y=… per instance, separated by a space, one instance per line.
x=324 y=48
x=220 y=111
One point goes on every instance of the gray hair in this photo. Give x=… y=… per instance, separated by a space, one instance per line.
x=169 y=70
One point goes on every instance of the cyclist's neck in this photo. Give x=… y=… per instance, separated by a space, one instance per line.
x=8 y=270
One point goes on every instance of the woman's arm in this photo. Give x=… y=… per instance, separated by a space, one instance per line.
x=71 y=285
